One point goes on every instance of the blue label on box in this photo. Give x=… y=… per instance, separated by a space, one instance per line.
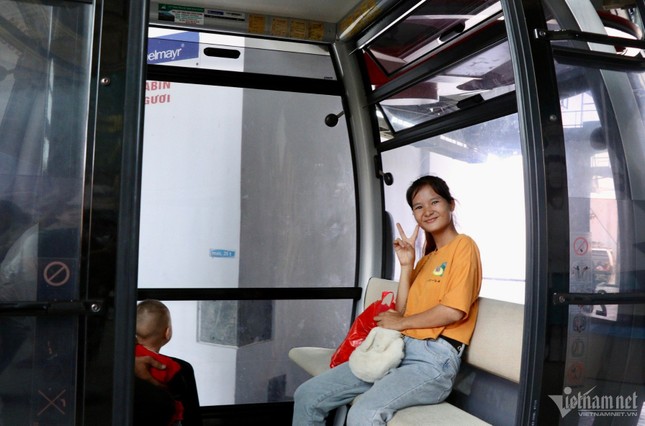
x=175 y=47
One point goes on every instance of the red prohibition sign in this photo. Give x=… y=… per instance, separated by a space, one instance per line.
x=56 y=273
x=580 y=246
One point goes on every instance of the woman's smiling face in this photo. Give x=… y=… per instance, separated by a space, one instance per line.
x=431 y=211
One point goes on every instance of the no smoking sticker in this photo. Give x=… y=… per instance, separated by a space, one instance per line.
x=580 y=246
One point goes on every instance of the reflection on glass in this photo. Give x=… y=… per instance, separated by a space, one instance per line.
x=480 y=77
x=426 y=28
x=482 y=165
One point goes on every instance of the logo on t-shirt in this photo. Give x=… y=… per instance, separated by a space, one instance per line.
x=439 y=270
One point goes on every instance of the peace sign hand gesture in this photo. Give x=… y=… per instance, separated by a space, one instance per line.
x=404 y=246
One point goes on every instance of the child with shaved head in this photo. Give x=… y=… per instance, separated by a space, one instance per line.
x=154 y=330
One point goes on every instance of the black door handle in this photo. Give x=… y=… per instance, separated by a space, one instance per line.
x=64 y=307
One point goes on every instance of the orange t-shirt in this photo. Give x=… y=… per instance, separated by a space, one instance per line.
x=451 y=276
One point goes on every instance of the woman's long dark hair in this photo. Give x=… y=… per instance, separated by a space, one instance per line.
x=439 y=186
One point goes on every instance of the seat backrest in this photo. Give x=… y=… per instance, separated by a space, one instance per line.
x=376 y=287
x=496 y=345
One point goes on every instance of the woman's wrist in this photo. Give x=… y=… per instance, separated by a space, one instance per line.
x=407 y=267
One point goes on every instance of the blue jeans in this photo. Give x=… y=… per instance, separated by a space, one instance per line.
x=425 y=376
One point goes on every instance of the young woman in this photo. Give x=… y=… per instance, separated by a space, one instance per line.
x=436 y=312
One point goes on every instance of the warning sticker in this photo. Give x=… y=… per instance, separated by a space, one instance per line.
x=57 y=273
x=57 y=278
x=181 y=14
x=580 y=246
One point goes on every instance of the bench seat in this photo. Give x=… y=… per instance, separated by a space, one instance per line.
x=316 y=360
x=495 y=347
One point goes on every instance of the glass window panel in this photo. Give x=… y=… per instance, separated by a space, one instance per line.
x=483 y=76
x=426 y=28
x=259 y=370
x=253 y=191
x=620 y=19
x=596 y=177
x=482 y=165
x=247 y=188
x=602 y=114
x=44 y=92
x=604 y=364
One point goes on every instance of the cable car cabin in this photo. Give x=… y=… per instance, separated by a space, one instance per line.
x=246 y=163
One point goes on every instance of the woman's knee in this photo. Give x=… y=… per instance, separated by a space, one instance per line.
x=305 y=393
x=362 y=412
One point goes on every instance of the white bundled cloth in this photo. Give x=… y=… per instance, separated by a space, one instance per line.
x=381 y=351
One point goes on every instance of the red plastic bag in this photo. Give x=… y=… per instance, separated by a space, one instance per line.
x=361 y=327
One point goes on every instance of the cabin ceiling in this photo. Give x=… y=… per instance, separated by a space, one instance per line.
x=331 y=11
